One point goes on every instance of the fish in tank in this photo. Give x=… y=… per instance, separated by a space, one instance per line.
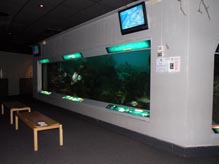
x=122 y=78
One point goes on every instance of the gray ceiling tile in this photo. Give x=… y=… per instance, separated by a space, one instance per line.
x=117 y=3
x=28 y=23
x=78 y=5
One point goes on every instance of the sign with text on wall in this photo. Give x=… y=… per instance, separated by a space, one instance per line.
x=161 y=65
x=168 y=64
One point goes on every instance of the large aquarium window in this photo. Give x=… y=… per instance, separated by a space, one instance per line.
x=216 y=88
x=122 y=78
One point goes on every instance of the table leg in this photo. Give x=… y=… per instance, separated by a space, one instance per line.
x=16 y=122
x=2 y=106
x=11 y=116
x=60 y=135
x=35 y=139
x=14 y=110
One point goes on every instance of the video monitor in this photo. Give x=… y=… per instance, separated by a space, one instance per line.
x=36 y=50
x=133 y=19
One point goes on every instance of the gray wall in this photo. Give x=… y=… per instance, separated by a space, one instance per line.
x=203 y=41
x=181 y=102
x=15 y=66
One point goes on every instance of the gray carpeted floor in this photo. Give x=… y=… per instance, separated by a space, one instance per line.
x=84 y=143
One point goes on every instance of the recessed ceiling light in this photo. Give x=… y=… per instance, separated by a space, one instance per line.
x=41 y=5
x=43 y=42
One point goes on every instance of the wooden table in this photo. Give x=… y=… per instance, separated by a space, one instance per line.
x=14 y=106
x=38 y=122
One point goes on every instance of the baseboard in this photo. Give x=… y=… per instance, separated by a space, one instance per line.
x=162 y=145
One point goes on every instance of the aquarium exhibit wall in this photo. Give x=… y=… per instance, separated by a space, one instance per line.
x=177 y=88
x=216 y=88
x=122 y=78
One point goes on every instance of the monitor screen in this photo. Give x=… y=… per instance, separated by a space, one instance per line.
x=133 y=19
x=36 y=50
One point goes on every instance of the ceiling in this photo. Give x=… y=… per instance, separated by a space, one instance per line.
x=24 y=22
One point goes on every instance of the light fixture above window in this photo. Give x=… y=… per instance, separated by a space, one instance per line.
x=131 y=46
x=75 y=55
x=43 y=61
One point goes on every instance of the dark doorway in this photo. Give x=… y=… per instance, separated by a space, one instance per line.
x=26 y=86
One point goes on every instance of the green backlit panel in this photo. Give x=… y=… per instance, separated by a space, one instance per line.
x=133 y=111
x=133 y=46
x=45 y=92
x=43 y=61
x=71 y=98
x=72 y=56
x=215 y=128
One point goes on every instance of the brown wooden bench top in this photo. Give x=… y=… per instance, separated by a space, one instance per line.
x=38 y=122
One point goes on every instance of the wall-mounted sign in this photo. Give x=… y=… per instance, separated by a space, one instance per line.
x=174 y=64
x=160 y=51
x=161 y=64
x=168 y=64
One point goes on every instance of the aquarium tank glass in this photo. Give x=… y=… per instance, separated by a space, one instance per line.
x=122 y=78
x=216 y=88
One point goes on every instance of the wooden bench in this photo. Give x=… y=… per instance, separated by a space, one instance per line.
x=38 y=122
x=14 y=106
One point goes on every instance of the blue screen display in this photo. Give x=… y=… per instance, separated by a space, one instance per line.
x=36 y=50
x=132 y=17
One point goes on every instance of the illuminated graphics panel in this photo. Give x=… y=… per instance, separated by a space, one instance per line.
x=133 y=111
x=72 y=98
x=45 y=92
